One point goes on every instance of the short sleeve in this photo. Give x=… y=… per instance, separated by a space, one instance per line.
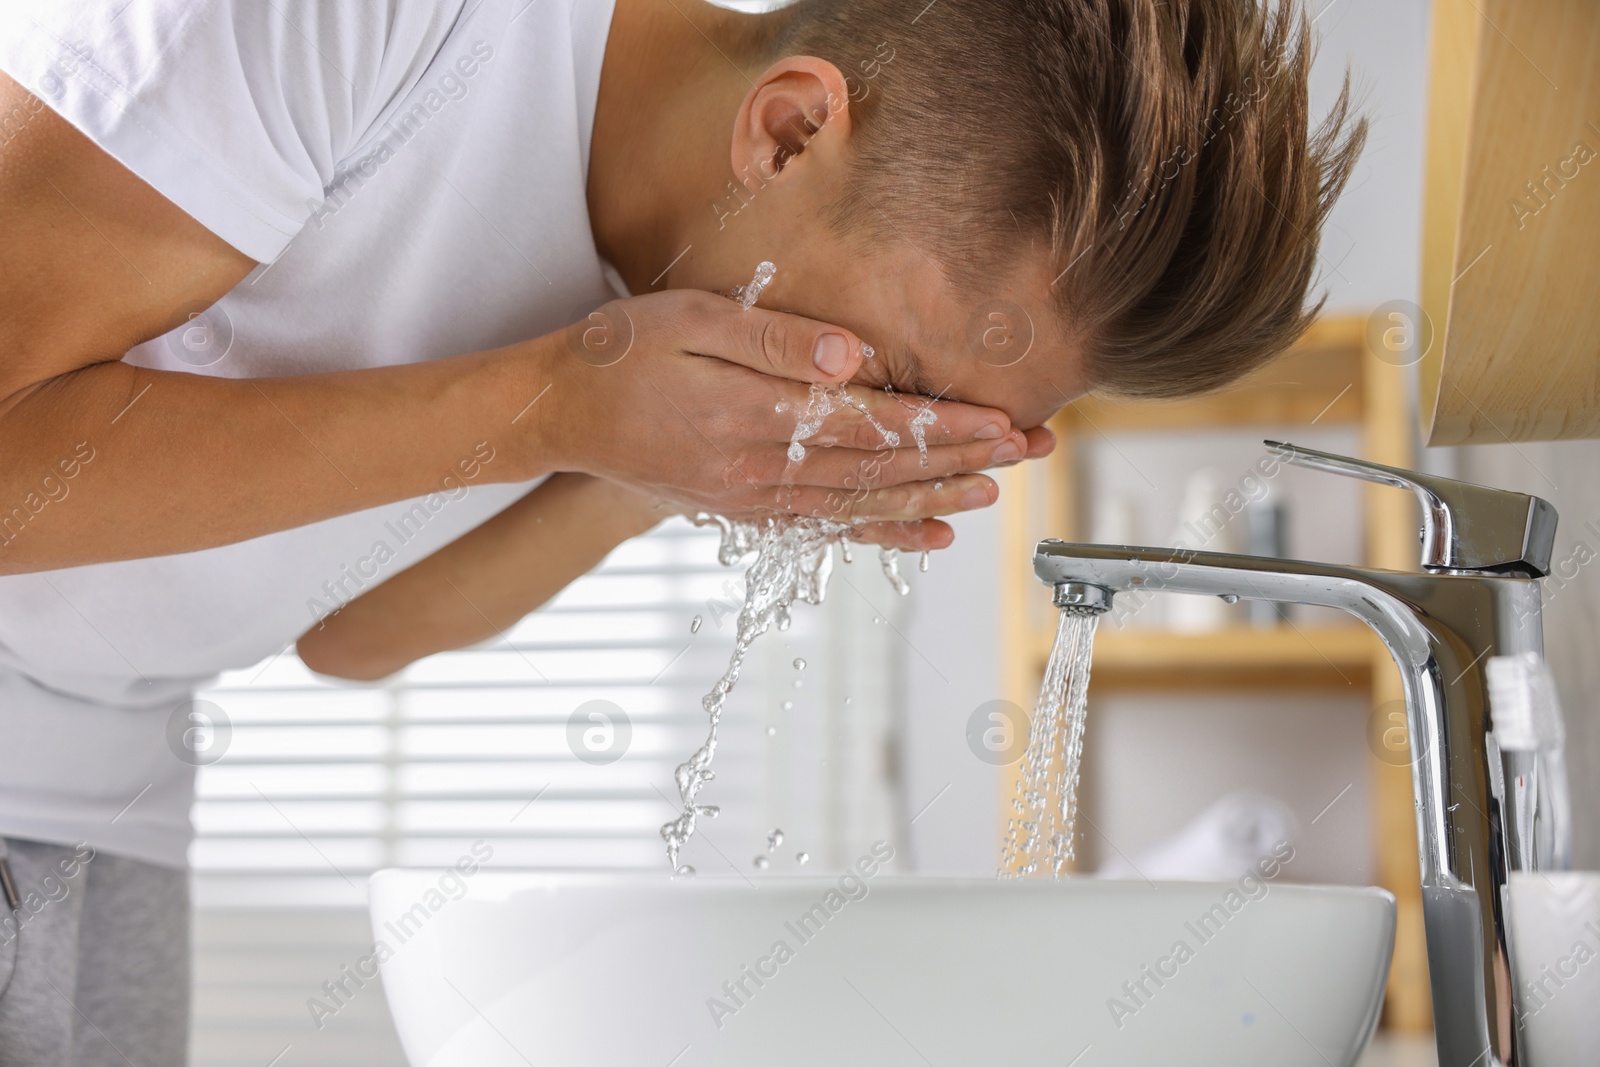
x=238 y=111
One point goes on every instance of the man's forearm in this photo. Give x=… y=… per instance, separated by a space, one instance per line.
x=479 y=585
x=116 y=462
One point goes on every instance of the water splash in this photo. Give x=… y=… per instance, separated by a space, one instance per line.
x=823 y=401
x=747 y=295
x=1044 y=812
x=924 y=418
x=793 y=559
x=888 y=436
x=922 y=561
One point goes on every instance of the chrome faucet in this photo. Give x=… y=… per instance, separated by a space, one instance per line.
x=1478 y=594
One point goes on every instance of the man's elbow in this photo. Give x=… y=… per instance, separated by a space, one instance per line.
x=326 y=653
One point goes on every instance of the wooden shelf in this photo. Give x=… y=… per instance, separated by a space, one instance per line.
x=1237 y=657
x=1321 y=380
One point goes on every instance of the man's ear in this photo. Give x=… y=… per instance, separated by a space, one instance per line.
x=799 y=104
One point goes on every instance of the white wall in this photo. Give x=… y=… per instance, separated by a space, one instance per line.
x=1371 y=245
x=951 y=625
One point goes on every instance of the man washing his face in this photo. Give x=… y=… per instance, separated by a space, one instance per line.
x=380 y=323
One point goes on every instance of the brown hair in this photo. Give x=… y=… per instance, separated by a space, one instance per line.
x=1161 y=150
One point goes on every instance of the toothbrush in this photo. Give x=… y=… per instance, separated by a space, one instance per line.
x=1531 y=738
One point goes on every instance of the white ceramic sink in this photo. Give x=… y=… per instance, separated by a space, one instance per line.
x=639 y=970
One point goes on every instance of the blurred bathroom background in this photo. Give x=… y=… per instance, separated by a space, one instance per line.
x=318 y=784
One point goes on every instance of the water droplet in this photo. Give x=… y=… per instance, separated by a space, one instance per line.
x=922 y=562
x=1230 y=598
x=774 y=839
x=798 y=683
x=685 y=871
x=802 y=858
x=694 y=624
x=938 y=485
x=876 y=619
x=889 y=560
x=867 y=350
x=920 y=422
x=772 y=731
x=799 y=664
x=762 y=863
x=787 y=705
x=847 y=701
x=748 y=294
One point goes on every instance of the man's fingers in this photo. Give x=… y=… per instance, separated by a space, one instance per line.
x=925 y=500
x=852 y=468
x=784 y=346
x=858 y=469
x=910 y=502
x=1041 y=442
x=929 y=535
x=871 y=411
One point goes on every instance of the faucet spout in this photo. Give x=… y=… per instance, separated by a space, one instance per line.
x=1081 y=598
x=1439 y=628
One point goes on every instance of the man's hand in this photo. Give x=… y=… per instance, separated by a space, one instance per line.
x=685 y=396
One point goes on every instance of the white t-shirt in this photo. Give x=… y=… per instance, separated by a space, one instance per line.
x=412 y=174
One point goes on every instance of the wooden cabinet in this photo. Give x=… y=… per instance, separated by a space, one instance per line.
x=1511 y=237
x=1331 y=377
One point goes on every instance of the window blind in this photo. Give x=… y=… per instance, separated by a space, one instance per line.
x=319 y=783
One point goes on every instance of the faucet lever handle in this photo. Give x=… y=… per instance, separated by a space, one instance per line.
x=1465 y=527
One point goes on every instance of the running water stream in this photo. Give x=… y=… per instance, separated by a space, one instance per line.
x=793 y=559
x=1044 y=812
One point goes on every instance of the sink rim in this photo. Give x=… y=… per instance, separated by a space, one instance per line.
x=647 y=879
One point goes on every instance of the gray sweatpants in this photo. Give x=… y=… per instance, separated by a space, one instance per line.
x=94 y=966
